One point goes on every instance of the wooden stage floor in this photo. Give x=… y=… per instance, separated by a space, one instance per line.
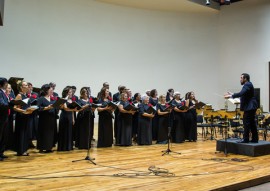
x=127 y=168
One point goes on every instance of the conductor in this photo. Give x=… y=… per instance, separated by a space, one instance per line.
x=249 y=105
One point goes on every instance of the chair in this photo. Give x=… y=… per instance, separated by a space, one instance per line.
x=202 y=125
x=263 y=123
x=237 y=130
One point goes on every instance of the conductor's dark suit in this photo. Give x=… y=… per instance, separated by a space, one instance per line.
x=4 y=102
x=249 y=105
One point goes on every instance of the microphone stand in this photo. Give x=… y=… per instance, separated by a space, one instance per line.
x=226 y=135
x=88 y=158
x=168 y=150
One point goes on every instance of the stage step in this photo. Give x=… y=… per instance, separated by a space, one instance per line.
x=249 y=149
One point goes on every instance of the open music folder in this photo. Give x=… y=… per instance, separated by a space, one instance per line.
x=168 y=108
x=20 y=102
x=113 y=105
x=183 y=107
x=234 y=100
x=131 y=108
x=94 y=105
x=151 y=110
x=59 y=102
x=199 y=105
x=74 y=105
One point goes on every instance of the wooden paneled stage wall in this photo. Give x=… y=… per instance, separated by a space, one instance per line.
x=198 y=167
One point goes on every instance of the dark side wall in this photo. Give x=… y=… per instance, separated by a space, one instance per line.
x=1 y=12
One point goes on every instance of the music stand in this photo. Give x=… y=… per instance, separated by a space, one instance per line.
x=238 y=115
x=168 y=150
x=213 y=114
x=199 y=111
x=265 y=123
x=226 y=115
x=207 y=109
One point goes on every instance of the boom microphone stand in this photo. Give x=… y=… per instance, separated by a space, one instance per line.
x=226 y=136
x=168 y=150
x=88 y=158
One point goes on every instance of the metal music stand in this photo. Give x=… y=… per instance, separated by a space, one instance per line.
x=213 y=114
x=226 y=115
x=265 y=126
x=206 y=110
x=224 y=118
x=238 y=115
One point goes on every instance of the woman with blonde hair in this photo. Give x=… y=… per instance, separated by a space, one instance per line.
x=163 y=120
x=144 y=136
x=124 y=122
